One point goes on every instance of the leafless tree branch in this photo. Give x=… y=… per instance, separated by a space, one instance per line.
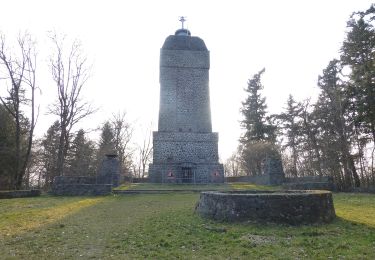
x=19 y=74
x=70 y=74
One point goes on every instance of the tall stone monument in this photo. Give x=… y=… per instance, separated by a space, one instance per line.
x=185 y=150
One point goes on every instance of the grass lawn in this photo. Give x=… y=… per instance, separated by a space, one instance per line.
x=164 y=226
x=225 y=186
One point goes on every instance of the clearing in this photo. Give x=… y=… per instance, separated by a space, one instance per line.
x=164 y=226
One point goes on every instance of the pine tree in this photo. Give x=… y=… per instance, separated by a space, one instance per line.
x=254 y=109
x=358 y=54
x=259 y=138
x=312 y=153
x=50 y=144
x=332 y=109
x=82 y=158
x=291 y=124
x=106 y=143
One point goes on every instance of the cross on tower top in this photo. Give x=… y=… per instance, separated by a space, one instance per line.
x=182 y=20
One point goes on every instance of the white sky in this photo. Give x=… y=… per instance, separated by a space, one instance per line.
x=293 y=40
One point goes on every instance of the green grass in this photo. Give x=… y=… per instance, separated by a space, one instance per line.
x=168 y=186
x=164 y=226
x=250 y=186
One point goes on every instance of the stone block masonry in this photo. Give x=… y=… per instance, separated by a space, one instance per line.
x=107 y=177
x=19 y=194
x=191 y=147
x=61 y=189
x=288 y=207
x=184 y=148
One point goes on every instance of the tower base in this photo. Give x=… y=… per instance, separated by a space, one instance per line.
x=185 y=157
x=186 y=173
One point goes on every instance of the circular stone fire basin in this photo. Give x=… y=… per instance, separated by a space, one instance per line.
x=290 y=207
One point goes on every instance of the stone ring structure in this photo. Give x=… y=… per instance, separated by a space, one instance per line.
x=289 y=207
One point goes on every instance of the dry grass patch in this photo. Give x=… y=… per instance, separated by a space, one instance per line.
x=22 y=215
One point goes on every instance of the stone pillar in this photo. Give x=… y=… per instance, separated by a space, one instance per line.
x=274 y=169
x=109 y=172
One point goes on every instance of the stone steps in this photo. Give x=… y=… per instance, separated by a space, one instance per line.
x=124 y=192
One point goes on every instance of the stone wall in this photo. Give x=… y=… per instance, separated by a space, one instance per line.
x=73 y=180
x=185 y=147
x=309 y=183
x=19 y=194
x=258 y=179
x=79 y=185
x=184 y=92
x=173 y=173
x=81 y=189
x=184 y=58
x=107 y=177
x=184 y=89
x=273 y=173
x=298 y=207
x=109 y=172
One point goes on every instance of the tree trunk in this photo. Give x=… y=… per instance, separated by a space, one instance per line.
x=372 y=154
x=314 y=144
x=18 y=174
x=295 y=158
x=31 y=130
x=61 y=151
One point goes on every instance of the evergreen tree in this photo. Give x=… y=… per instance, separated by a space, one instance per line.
x=258 y=140
x=312 y=154
x=50 y=144
x=358 y=53
x=256 y=124
x=291 y=124
x=106 y=143
x=7 y=149
x=81 y=161
x=334 y=129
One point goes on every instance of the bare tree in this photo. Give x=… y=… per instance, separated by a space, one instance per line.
x=70 y=73
x=144 y=156
x=232 y=165
x=123 y=133
x=35 y=172
x=18 y=72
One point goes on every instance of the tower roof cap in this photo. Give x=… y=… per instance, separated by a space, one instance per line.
x=182 y=32
x=177 y=42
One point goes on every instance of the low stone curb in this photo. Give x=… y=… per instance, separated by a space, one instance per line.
x=63 y=189
x=12 y=194
x=287 y=207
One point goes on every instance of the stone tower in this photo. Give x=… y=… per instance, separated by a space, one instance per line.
x=184 y=148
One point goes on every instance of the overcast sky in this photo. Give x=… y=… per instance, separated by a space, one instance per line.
x=293 y=40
